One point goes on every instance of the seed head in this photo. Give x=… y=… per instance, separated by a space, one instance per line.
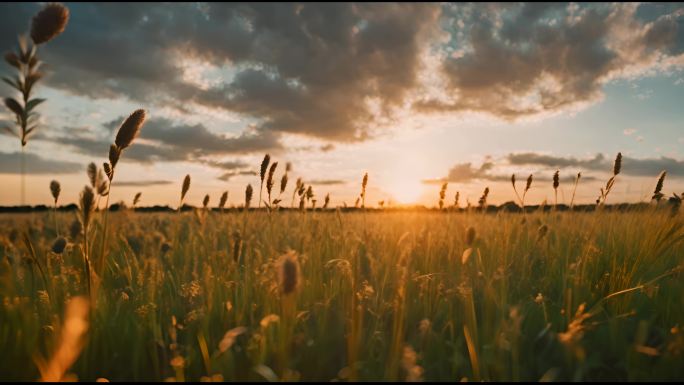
x=75 y=229
x=223 y=200
x=87 y=205
x=108 y=170
x=186 y=186
x=114 y=154
x=248 y=196
x=529 y=183
x=283 y=182
x=618 y=164
x=327 y=201
x=58 y=245
x=470 y=236
x=288 y=272
x=136 y=199
x=130 y=129
x=55 y=189
x=556 y=180
x=205 y=202
x=269 y=181
x=264 y=166
x=657 y=194
x=49 y=22
x=92 y=174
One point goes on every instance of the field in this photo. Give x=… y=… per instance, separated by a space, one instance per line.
x=326 y=295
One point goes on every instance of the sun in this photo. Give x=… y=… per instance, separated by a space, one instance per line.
x=405 y=190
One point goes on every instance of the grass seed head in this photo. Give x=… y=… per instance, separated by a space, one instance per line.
x=269 y=181
x=55 y=190
x=618 y=164
x=75 y=229
x=130 y=129
x=114 y=155
x=223 y=200
x=185 y=187
x=529 y=183
x=87 y=206
x=283 y=182
x=556 y=180
x=136 y=199
x=92 y=174
x=470 y=236
x=248 y=196
x=49 y=22
x=288 y=272
x=657 y=194
x=58 y=245
x=264 y=166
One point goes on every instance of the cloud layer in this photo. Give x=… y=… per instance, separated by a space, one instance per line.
x=337 y=71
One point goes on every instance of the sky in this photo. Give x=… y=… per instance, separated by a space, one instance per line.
x=413 y=94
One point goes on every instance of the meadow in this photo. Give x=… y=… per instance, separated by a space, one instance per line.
x=313 y=292
x=325 y=295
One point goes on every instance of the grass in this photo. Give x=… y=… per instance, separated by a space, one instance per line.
x=381 y=295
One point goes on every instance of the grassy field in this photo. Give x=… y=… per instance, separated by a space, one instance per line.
x=345 y=296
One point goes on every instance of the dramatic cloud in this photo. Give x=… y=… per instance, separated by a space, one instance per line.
x=520 y=60
x=630 y=166
x=546 y=165
x=310 y=69
x=166 y=141
x=10 y=163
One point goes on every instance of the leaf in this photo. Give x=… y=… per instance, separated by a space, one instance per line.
x=14 y=83
x=14 y=106
x=33 y=103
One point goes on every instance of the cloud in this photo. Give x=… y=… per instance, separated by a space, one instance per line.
x=465 y=172
x=629 y=131
x=308 y=69
x=630 y=166
x=10 y=163
x=533 y=59
x=165 y=141
x=230 y=174
x=598 y=162
x=142 y=183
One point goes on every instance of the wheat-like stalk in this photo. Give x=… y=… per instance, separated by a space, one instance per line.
x=556 y=183
x=364 y=183
x=572 y=200
x=184 y=190
x=45 y=25
x=270 y=182
x=87 y=207
x=657 y=194
x=136 y=199
x=248 y=196
x=288 y=273
x=262 y=174
x=223 y=200
x=483 y=199
x=442 y=194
